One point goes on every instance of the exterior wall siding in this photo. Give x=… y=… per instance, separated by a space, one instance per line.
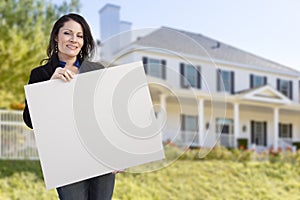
x=209 y=75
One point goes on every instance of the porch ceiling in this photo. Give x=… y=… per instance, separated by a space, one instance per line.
x=264 y=96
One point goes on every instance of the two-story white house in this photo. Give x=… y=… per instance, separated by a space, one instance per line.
x=205 y=91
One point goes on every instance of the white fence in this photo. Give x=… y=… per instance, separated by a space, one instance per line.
x=187 y=139
x=16 y=140
x=227 y=140
x=191 y=138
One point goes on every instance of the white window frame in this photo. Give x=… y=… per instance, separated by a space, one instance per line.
x=187 y=80
x=225 y=84
x=285 y=132
x=258 y=81
x=152 y=62
x=285 y=91
x=190 y=117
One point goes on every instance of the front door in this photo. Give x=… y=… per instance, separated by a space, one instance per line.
x=259 y=133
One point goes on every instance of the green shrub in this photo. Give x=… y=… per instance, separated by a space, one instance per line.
x=297 y=144
x=242 y=143
x=174 y=152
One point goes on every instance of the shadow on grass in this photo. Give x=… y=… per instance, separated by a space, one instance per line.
x=10 y=167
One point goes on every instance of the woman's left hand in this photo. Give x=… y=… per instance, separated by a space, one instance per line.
x=118 y=171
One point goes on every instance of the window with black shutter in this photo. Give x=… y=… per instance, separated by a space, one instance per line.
x=256 y=81
x=155 y=67
x=285 y=87
x=225 y=81
x=285 y=131
x=190 y=76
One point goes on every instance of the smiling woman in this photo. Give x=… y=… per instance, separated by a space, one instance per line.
x=69 y=41
x=70 y=45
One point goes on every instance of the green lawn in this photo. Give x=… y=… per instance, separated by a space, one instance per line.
x=183 y=179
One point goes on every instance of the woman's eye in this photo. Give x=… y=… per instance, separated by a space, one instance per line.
x=80 y=36
x=66 y=33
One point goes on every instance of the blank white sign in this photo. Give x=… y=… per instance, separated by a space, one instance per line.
x=99 y=122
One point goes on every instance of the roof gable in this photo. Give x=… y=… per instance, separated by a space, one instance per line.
x=265 y=94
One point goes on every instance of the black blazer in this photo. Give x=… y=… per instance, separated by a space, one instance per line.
x=45 y=72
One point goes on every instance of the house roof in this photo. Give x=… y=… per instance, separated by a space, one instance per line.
x=184 y=42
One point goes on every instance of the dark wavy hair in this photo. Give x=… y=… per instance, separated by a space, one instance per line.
x=88 y=41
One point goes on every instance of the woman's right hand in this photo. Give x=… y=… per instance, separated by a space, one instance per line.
x=63 y=74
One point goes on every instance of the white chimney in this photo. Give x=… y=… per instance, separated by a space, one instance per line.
x=115 y=33
x=109 y=21
x=125 y=30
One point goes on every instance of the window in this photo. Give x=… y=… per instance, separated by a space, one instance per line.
x=189 y=123
x=189 y=128
x=285 y=87
x=224 y=126
x=285 y=130
x=155 y=67
x=225 y=81
x=256 y=81
x=190 y=76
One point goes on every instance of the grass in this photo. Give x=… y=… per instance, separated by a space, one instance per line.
x=183 y=179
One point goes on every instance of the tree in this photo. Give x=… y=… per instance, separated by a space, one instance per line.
x=25 y=27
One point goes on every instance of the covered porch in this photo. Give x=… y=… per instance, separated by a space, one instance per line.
x=259 y=118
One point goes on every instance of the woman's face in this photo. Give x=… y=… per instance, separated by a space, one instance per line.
x=69 y=40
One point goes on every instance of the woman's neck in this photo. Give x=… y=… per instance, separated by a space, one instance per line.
x=68 y=60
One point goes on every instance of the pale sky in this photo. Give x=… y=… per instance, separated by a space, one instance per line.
x=267 y=28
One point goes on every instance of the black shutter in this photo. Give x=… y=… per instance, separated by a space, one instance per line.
x=182 y=74
x=251 y=81
x=291 y=90
x=279 y=130
x=199 y=77
x=265 y=80
x=291 y=130
x=278 y=84
x=219 y=80
x=145 y=62
x=252 y=132
x=232 y=82
x=182 y=122
x=163 y=65
x=265 y=133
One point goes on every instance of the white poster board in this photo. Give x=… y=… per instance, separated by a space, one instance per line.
x=99 y=122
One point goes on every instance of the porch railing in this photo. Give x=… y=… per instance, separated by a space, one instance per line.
x=16 y=140
x=285 y=143
x=227 y=140
x=191 y=138
x=188 y=139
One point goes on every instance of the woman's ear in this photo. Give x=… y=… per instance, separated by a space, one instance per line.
x=55 y=39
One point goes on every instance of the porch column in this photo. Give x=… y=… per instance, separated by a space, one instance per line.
x=236 y=123
x=276 y=121
x=201 y=131
x=163 y=110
